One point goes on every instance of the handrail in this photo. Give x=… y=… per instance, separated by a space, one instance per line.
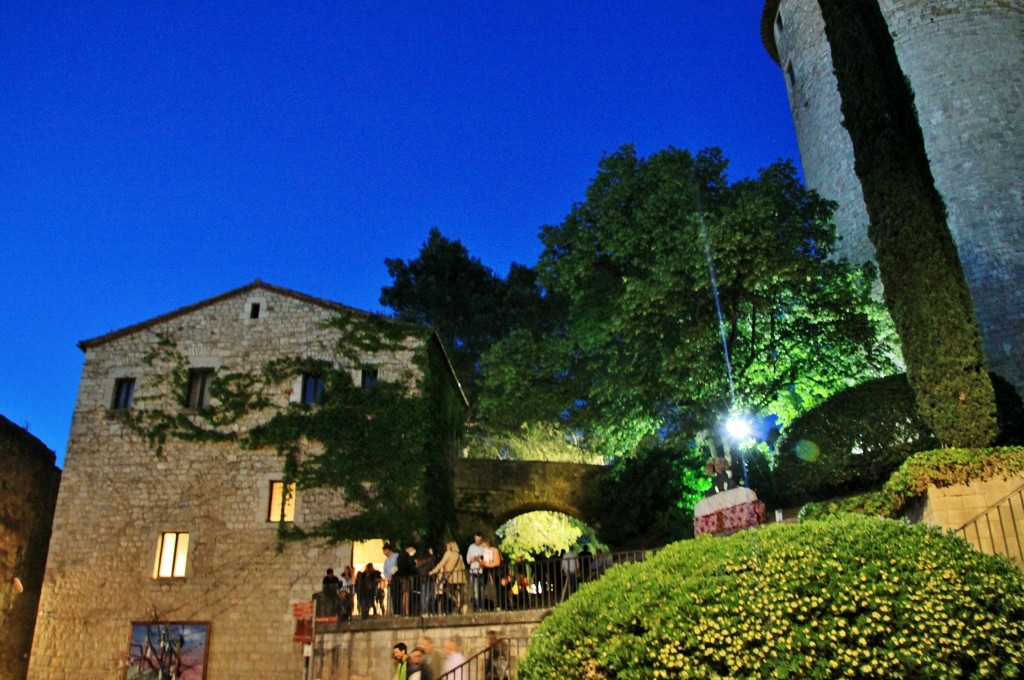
x=1015 y=492
x=497 y=661
x=1009 y=531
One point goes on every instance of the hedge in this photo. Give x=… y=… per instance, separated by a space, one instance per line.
x=851 y=596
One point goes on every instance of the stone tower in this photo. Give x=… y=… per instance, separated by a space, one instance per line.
x=28 y=494
x=965 y=63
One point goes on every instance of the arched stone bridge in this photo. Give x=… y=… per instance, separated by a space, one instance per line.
x=490 y=492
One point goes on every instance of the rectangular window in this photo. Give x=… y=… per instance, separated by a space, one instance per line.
x=792 y=77
x=369 y=377
x=281 y=509
x=198 y=395
x=778 y=21
x=312 y=388
x=254 y=310
x=171 y=555
x=124 y=390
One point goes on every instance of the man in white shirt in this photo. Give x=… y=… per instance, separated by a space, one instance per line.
x=475 y=559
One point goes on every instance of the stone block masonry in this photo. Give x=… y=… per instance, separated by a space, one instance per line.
x=966 y=68
x=28 y=493
x=119 y=500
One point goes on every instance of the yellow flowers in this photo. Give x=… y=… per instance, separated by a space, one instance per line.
x=876 y=599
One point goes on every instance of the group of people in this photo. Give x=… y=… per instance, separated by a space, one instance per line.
x=424 y=663
x=411 y=582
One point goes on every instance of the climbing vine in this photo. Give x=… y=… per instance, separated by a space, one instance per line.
x=386 y=447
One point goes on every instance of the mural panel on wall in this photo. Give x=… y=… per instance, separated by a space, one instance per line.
x=168 y=651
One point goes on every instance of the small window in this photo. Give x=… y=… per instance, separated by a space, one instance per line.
x=369 y=377
x=312 y=388
x=281 y=509
x=198 y=396
x=254 y=310
x=778 y=21
x=124 y=390
x=791 y=76
x=171 y=555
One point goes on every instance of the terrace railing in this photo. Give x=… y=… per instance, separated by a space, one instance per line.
x=515 y=585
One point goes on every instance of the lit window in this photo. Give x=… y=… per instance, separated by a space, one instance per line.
x=369 y=378
x=281 y=509
x=198 y=395
x=312 y=388
x=124 y=390
x=171 y=555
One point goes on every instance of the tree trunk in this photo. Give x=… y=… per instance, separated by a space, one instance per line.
x=925 y=289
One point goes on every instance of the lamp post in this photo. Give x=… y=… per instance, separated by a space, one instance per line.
x=739 y=430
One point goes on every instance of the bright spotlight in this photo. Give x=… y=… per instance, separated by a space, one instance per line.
x=738 y=428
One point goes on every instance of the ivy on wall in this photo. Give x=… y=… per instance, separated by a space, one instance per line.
x=387 y=447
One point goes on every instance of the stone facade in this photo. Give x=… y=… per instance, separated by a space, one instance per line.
x=119 y=499
x=362 y=651
x=28 y=493
x=966 y=66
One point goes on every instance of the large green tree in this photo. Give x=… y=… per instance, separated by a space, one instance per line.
x=469 y=306
x=641 y=347
x=924 y=283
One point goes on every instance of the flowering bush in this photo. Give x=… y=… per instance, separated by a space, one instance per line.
x=851 y=596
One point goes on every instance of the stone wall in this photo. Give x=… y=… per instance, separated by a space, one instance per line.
x=363 y=651
x=490 y=492
x=965 y=65
x=118 y=497
x=28 y=493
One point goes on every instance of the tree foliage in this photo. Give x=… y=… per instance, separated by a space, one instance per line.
x=924 y=283
x=640 y=348
x=464 y=301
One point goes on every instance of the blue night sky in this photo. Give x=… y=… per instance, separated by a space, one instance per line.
x=154 y=155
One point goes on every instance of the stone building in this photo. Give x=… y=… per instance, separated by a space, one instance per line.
x=28 y=493
x=182 y=530
x=965 y=63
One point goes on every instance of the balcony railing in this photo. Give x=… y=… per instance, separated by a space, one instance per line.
x=513 y=586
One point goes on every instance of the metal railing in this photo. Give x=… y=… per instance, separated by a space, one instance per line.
x=516 y=585
x=498 y=661
x=1000 y=529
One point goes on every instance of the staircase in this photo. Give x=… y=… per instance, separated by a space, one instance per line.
x=999 y=530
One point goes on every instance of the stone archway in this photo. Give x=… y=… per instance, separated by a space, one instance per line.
x=490 y=492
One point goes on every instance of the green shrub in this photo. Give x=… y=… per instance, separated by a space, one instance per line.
x=851 y=442
x=851 y=596
x=942 y=467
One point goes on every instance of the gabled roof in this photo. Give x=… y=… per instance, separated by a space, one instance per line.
x=260 y=285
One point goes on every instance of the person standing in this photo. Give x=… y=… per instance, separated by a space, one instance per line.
x=402 y=581
x=431 y=655
x=388 y=576
x=451 y=571
x=570 y=570
x=367 y=585
x=475 y=560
